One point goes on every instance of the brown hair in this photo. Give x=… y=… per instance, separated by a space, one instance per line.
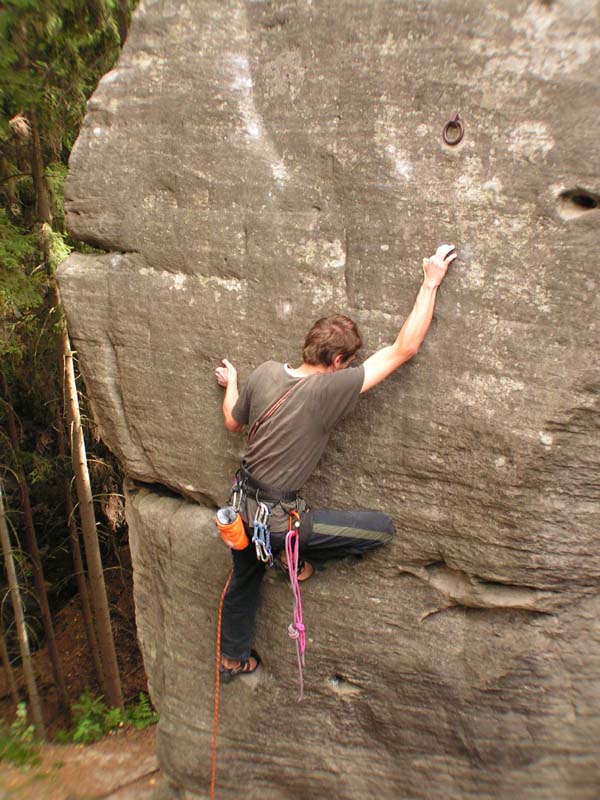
x=330 y=337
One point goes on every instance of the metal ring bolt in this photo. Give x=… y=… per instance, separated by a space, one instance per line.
x=454 y=124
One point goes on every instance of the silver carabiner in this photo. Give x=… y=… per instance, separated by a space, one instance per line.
x=262 y=553
x=265 y=513
x=257 y=538
x=259 y=551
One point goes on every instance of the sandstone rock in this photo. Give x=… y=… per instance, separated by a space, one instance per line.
x=252 y=166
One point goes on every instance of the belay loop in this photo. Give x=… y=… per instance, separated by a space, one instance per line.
x=296 y=629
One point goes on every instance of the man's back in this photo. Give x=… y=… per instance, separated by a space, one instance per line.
x=289 y=443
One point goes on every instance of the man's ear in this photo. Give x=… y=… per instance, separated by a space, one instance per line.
x=337 y=362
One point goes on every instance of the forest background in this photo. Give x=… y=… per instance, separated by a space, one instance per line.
x=68 y=648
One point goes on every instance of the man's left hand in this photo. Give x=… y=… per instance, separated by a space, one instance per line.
x=226 y=373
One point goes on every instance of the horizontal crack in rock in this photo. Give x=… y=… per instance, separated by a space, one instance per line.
x=459 y=588
x=163 y=488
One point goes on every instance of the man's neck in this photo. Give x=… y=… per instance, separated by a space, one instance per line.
x=307 y=369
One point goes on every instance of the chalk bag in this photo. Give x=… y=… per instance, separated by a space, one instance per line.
x=231 y=528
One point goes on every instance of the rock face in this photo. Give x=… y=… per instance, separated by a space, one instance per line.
x=251 y=166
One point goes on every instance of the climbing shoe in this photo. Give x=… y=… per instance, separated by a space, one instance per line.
x=227 y=674
x=304 y=571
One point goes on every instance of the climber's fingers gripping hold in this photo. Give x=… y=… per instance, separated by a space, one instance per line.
x=435 y=268
x=225 y=373
x=221 y=376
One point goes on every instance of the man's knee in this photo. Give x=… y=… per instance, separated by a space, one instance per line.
x=389 y=530
x=354 y=531
x=381 y=522
x=379 y=528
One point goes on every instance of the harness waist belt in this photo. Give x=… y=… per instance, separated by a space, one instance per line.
x=270 y=494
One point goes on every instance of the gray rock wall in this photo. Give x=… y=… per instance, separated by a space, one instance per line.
x=251 y=166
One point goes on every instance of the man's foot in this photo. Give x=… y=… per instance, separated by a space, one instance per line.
x=231 y=668
x=305 y=570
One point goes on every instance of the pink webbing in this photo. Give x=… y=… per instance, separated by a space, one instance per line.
x=296 y=629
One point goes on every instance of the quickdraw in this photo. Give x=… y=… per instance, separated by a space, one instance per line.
x=261 y=536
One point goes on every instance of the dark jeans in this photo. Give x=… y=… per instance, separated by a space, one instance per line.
x=323 y=535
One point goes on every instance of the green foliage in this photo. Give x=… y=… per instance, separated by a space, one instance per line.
x=42 y=469
x=89 y=721
x=52 y=53
x=92 y=719
x=58 y=249
x=140 y=714
x=17 y=741
x=55 y=179
x=22 y=286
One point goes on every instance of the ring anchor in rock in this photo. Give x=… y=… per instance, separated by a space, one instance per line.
x=454 y=130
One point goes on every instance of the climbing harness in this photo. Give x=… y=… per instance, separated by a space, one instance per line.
x=454 y=124
x=296 y=629
x=247 y=485
x=229 y=520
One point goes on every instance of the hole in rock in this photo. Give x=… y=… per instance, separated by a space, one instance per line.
x=584 y=201
x=342 y=685
x=576 y=202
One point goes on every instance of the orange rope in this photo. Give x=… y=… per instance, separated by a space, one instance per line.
x=213 y=771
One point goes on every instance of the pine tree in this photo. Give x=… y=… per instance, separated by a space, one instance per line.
x=34 y=554
x=34 y=699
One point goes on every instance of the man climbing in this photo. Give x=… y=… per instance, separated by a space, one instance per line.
x=291 y=413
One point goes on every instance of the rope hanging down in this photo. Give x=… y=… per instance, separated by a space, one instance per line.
x=213 y=770
x=296 y=630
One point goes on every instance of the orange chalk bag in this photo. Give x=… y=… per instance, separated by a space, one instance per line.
x=231 y=528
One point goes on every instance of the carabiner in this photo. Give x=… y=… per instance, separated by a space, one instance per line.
x=236 y=497
x=296 y=524
x=262 y=534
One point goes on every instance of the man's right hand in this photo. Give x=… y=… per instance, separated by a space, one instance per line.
x=435 y=268
x=382 y=363
x=226 y=374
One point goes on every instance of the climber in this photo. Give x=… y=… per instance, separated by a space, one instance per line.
x=291 y=413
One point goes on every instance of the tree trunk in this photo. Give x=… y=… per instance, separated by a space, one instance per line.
x=123 y=19
x=36 y=561
x=6 y=171
x=14 y=692
x=11 y=574
x=86 y=608
x=90 y=534
x=42 y=201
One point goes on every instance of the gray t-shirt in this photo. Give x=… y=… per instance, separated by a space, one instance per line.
x=288 y=445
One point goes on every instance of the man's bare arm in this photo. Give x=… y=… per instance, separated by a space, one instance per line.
x=385 y=361
x=227 y=377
